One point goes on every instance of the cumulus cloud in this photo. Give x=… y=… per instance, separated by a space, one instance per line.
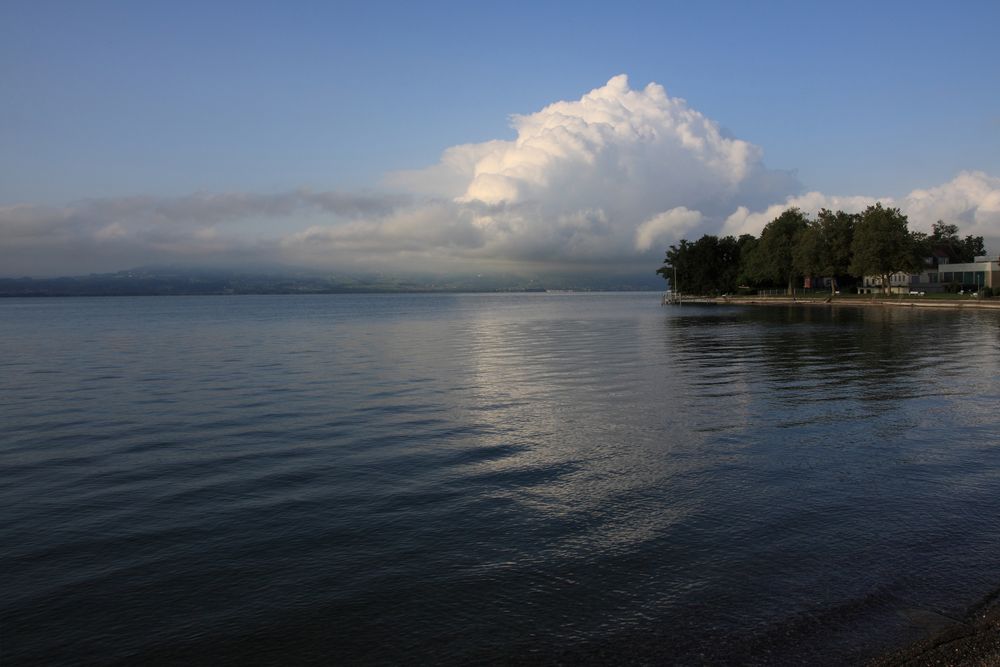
x=611 y=178
x=669 y=224
x=971 y=200
x=630 y=152
x=587 y=180
x=601 y=177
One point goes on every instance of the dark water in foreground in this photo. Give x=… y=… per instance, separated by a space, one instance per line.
x=489 y=478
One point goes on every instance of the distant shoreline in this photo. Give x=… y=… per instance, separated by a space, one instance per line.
x=813 y=301
x=359 y=292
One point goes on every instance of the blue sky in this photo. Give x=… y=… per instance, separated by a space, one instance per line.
x=106 y=100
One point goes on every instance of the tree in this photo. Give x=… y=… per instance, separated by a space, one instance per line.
x=733 y=250
x=824 y=247
x=921 y=250
x=693 y=263
x=677 y=264
x=882 y=245
x=972 y=247
x=747 y=243
x=709 y=265
x=771 y=258
x=944 y=239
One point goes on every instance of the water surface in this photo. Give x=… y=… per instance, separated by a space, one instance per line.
x=457 y=478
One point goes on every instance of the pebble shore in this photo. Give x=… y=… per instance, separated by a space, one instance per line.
x=973 y=642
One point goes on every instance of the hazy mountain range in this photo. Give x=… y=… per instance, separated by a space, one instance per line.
x=190 y=281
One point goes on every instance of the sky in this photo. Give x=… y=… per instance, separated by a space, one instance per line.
x=456 y=137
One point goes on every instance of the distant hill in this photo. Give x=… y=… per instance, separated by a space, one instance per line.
x=168 y=281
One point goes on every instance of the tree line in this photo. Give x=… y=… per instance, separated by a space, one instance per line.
x=843 y=247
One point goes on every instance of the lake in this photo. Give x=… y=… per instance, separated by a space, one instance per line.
x=527 y=478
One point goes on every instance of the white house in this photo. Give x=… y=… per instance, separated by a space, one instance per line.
x=983 y=272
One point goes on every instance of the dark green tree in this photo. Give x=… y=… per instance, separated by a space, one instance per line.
x=709 y=265
x=772 y=258
x=972 y=247
x=882 y=245
x=747 y=243
x=734 y=250
x=824 y=247
x=921 y=250
x=944 y=239
x=677 y=265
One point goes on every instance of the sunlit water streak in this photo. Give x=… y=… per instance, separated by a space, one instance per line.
x=489 y=478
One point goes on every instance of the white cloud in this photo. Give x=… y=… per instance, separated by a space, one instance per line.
x=971 y=200
x=576 y=185
x=591 y=178
x=669 y=224
x=633 y=151
x=610 y=178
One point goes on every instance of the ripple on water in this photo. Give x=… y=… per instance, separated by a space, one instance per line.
x=489 y=478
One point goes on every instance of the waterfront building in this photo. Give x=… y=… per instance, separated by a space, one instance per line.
x=982 y=272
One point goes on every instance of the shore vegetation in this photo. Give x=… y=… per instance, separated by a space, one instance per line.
x=835 y=249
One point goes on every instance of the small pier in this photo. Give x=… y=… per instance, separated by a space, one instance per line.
x=670 y=298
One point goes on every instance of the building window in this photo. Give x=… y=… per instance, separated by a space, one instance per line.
x=932 y=277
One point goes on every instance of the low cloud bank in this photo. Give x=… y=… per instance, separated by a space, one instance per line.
x=609 y=180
